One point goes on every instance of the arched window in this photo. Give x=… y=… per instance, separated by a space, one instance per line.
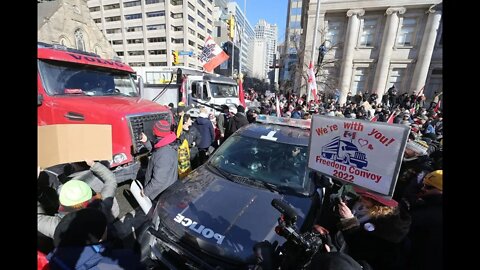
x=79 y=40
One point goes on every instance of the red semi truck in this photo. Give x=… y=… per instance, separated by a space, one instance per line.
x=76 y=87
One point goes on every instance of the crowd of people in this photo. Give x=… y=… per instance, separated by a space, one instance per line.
x=404 y=232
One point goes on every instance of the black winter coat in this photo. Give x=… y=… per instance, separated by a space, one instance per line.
x=426 y=233
x=207 y=133
x=236 y=122
x=382 y=246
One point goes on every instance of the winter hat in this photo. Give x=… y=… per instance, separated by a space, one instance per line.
x=80 y=228
x=161 y=128
x=434 y=179
x=378 y=198
x=181 y=107
x=241 y=109
x=74 y=192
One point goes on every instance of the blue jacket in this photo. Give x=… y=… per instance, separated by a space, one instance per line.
x=93 y=257
x=205 y=127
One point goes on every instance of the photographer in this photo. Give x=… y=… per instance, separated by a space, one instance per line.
x=374 y=229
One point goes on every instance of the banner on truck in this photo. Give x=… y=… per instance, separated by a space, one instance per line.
x=367 y=154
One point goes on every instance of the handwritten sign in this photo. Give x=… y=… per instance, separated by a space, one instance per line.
x=367 y=154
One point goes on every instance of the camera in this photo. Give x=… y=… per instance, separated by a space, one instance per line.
x=299 y=249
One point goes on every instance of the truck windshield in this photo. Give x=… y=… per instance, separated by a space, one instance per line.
x=223 y=90
x=60 y=78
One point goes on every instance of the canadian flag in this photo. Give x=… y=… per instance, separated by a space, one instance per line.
x=183 y=90
x=212 y=55
x=277 y=106
x=312 y=82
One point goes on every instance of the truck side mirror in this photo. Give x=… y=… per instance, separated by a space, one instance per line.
x=39 y=99
x=140 y=85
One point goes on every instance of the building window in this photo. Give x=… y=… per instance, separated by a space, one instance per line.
x=112 y=19
x=192 y=7
x=191 y=43
x=200 y=47
x=134 y=29
x=120 y=53
x=359 y=80
x=155 y=52
x=200 y=14
x=112 y=6
x=209 y=11
x=135 y=41
x=219 y=31
x=200 y=36
x=117 y=42
x=406 y=35
x=397 y=76
x=155 y=27
x=157 y=39
x=296 y=11
x=79 y=40
x=367 y=38
x=190 y=18
x=133 y=16
x=209 y=21
x=131 y=4
x=333 y=33
x=99 y=20
x=158 y=64
x=176 y=2
x=177 y=40
x=131 y=53
x=201 y=3
x=156 y=13
x=294 y=24
x=94 y=9
x=136 y=64
x=176 y=15
x=177 y=28
x=191 y=31
x=201 y=26
x=114 y=31
x=209 y=31
x=148 y=2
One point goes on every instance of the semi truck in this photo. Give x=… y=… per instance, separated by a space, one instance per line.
x=164 y=86
x=77 y=87
x=345 y=152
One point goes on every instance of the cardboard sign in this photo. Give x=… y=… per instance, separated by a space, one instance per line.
x=66 y=143
x=367 y=154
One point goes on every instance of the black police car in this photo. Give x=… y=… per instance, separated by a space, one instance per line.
x=214 y=217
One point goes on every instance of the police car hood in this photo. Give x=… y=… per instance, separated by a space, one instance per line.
x=222 y=218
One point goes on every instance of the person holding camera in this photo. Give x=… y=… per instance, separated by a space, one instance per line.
x=374 y=229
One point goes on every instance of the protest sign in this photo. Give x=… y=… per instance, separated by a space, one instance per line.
x=367 y=154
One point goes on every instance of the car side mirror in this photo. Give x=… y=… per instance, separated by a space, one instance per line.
x=322 y=180
x=39 y=99
x=140 y=85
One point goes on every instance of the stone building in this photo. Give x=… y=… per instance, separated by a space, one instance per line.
x=375 y=44
x=68 y=22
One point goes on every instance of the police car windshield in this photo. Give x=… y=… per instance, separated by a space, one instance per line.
x=283 y=165
x=61 y=78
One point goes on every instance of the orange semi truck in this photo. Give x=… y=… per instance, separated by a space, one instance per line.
x=76 y=87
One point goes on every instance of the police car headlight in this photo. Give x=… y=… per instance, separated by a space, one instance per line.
x=118 y=158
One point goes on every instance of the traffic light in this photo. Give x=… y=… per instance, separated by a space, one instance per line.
x=175 y=57
x=231 y=27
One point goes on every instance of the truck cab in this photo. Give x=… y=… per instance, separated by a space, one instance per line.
x=76 y=87
x=164 y=85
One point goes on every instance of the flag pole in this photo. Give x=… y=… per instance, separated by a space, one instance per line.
x=314 y=44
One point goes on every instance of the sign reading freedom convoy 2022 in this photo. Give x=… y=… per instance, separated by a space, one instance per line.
x=363 y=153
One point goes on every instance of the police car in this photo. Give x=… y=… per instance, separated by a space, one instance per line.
x=214 y=217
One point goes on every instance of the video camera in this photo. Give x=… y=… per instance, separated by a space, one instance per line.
x=299 y=249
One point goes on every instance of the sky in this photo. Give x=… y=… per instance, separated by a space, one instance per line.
x=273 y=11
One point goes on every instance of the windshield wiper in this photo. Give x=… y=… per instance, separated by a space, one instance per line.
x=246 y=180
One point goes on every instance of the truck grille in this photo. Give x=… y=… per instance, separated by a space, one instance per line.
x=144 y=123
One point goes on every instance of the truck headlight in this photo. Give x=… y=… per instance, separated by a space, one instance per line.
x=118 y=158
